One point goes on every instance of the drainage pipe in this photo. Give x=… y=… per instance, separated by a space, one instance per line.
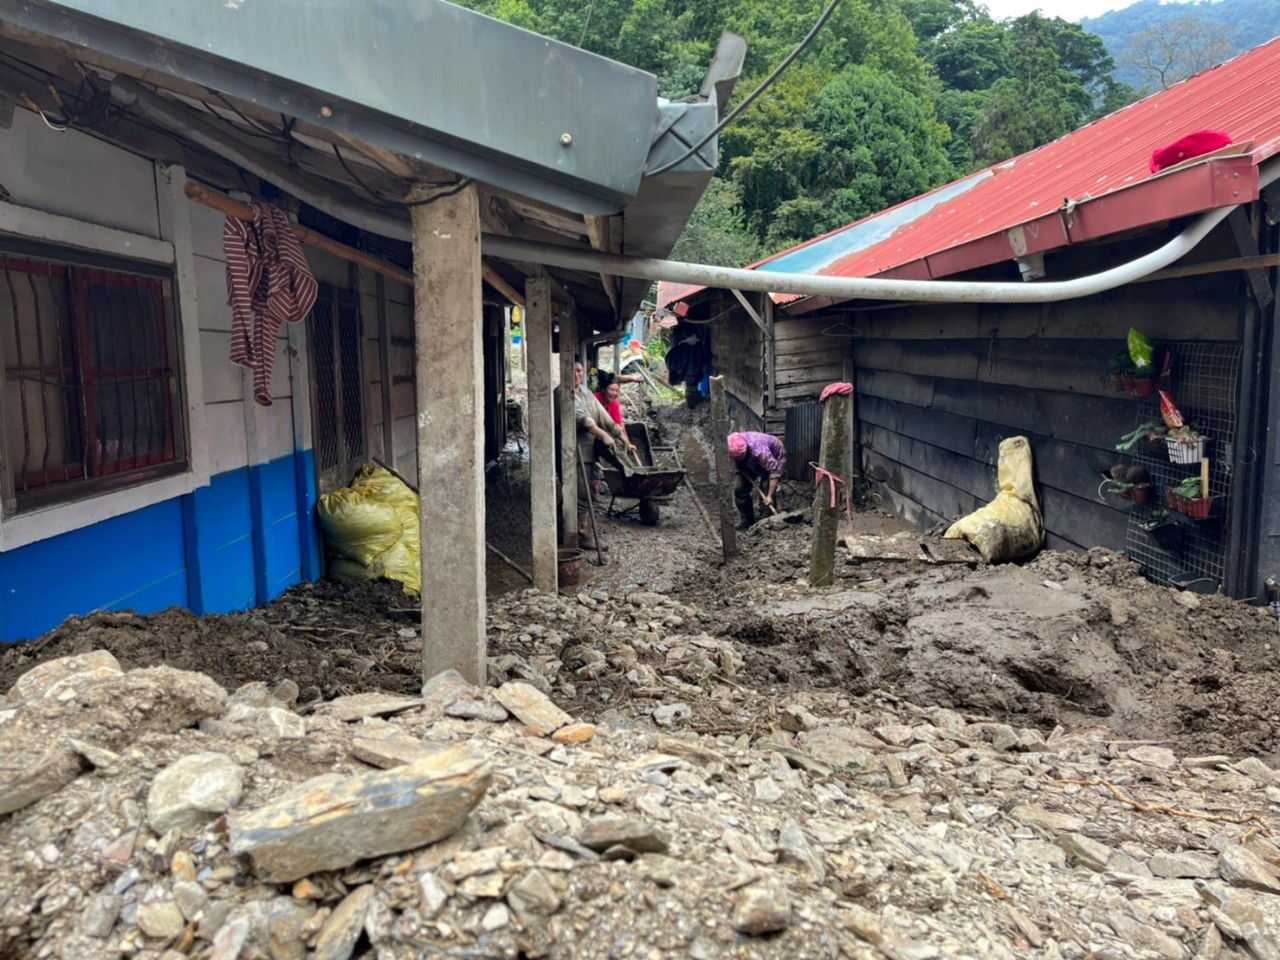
x=871 y=288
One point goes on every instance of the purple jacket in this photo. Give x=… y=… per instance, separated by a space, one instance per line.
x=766 y=456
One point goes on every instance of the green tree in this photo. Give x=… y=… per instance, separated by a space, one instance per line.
x=717 y=233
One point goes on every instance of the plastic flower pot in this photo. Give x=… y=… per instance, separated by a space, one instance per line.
x=1174 y=499
x=1127 y=381
x=1197 y=509
x=1138 y=493
x=1167 y=536
x=1117 y=382
x=1144 y=386
x=1181 y=451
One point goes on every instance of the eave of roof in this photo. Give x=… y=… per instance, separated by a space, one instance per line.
x=1090 y=184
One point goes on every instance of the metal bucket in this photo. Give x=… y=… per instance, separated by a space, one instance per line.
x=570 y=563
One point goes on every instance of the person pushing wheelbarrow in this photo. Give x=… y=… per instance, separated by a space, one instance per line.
x=759 y=458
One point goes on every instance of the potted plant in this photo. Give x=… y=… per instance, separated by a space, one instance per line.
x=1129 y=482
x=1119 y=367
x=1190 y=497
x=1163 y=530
x=1185 y=444
x=1144 y=381
x=1148 y=438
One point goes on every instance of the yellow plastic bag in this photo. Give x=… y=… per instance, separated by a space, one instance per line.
x=372 y=529
x=1010 y=527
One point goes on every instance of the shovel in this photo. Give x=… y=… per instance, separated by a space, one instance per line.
x=760 y=490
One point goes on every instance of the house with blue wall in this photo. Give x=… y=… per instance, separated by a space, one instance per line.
x=136 y=468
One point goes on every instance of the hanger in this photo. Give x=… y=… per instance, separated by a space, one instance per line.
x=841 y=329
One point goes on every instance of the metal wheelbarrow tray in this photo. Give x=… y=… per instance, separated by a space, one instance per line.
x=649 y=484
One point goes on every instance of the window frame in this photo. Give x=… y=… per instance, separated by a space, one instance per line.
x=135 y=251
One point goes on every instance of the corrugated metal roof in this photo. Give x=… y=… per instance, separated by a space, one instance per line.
x=1089 y=183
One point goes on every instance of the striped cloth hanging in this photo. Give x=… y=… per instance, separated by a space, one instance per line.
x=269 y=283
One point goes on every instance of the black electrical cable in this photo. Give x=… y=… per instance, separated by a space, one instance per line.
x=768 y=81
x=462 y=185
x=380 y=197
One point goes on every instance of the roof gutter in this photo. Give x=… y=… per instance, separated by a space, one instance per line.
x=872 y=288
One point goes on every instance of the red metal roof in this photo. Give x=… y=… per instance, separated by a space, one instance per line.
x=1090 y=183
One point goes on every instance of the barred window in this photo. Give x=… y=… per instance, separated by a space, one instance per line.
x=92 y=396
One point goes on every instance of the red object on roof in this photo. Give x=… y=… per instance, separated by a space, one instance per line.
x=1192 y=145
x=1091 y=183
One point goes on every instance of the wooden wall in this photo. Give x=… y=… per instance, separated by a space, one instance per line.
x=940 y=386
x=737 y=354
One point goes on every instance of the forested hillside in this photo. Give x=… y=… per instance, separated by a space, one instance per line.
x=1156 y=43
x=892 y=98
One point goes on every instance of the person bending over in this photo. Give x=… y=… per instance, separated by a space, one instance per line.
x=756 y=457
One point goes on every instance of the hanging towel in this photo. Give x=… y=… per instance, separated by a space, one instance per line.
x=269 y=283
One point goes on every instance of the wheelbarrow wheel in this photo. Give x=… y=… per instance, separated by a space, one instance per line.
x=648 y=513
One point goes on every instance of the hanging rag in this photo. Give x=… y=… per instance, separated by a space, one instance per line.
x=269 y=283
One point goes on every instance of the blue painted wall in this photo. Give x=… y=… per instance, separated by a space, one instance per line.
x=240 y=541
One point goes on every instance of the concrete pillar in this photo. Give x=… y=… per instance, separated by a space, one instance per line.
x=724 y=468
x=542 y=430
x=568 y=430
x=448 y=337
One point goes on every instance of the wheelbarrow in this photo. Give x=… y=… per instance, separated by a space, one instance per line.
x=645 y=483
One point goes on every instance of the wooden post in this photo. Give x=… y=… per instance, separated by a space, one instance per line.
x=617 y=360
x=506 y=342
x=826 y=515
x=384 y=364
x=448 y=332
x=568 y=431
x=724 y=468
x=542 y=430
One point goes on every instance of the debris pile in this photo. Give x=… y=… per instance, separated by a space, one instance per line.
x=152 y=814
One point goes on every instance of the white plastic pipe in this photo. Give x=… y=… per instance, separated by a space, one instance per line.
x=866 y=288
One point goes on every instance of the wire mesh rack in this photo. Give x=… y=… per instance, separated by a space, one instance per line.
x=1172 y=546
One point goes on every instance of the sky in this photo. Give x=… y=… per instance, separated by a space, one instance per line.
x=1073 y=10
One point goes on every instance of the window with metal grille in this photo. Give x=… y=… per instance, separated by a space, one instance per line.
x=334 y=330
x=92 y=395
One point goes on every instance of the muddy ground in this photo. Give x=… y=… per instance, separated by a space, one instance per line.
x=1066 y=640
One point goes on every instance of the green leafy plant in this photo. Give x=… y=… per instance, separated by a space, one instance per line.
x=1189 y=488
x=1157 y=518
x=1120 y=362
x=1130 y=440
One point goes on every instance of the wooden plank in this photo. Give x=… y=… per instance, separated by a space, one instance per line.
x=949 y=502
x=820 y=374
x=895 y=386
x=449 y=331
x=724 y=469
x=945 y=430
x=958 y=471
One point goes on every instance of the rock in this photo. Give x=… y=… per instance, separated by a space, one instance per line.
x=193 y=791
x=357 y=706
x=534 y=896
x=767 y=790
x=1255 y=769
x=761 y=908
x=795 y=846
x=334 y=825
x=1047 y=821
x=432 y=896
x=31 y=772
x=1161 y=757
x=47 y=679
x=797 y=719
x=533 y=708
x=277 y=723
x=669 y=714
x=574 y=733
x=1241 y=868
x=478 y=708
x=841 y=747
x=285 y=925
x=389 y=752
x=230 y=940
x=160 y=918
x=100 y=915
x=1184 y=864
x=895 y=734
x=631 y=832
x=190 y=898
x=1085 y=850
x=1004 y=737
x=340 y=932
x=495 y=918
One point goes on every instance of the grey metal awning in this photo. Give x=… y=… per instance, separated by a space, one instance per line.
x=559 y=138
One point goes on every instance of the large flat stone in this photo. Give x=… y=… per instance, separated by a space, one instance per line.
x=31 y=773
x=533 y=708
x=44 y=679
x=357 y=706
x=332 y=825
